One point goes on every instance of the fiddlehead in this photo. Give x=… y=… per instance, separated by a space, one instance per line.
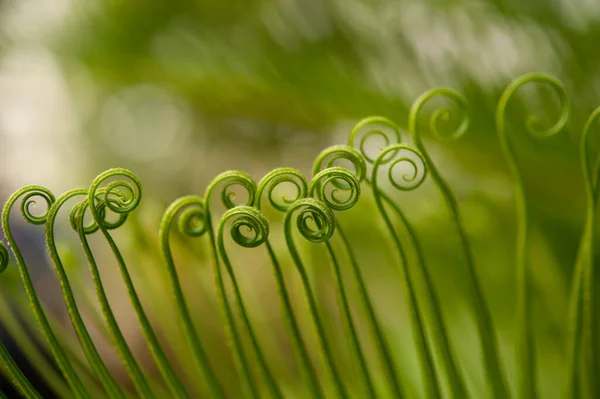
x=328 y=159
x=343 y=182
x=227 y=181
x=404 y=155
x=29 y=195
x=121 y=196
x=88 y=346
x=315 y=222
x=482 y=313
x=77 y=218
x=267 y=188
x=11 y=369
x=359 y=138
x=526 y=350
x=189 y=213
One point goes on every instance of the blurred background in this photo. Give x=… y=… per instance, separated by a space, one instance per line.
x=178 y=91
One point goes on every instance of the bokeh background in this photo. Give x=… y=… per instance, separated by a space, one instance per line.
x=178 y=91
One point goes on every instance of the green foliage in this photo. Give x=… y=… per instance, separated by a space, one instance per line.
x=312 y=222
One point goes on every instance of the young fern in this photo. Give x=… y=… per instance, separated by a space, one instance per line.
x=28 y=200
x=133 y=369
x=267 y=185
x=583 y=323
x=89 y=348
x=342 y=180
x=11 y=369
x=326 y=159
x=526 y=350
x=122 y=197
x=190 y=211
x=310 y=209
x=438 y=329
x=484 y=322
x=228 y=180
x=432 y=389
x=255 y=222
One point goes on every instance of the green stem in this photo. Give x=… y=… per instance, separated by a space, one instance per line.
x=525 y=347
x=272 y=385
x=454 y=377
x=384 y=349
x=352 y=334
x=312 y=303
x=89 y=348
x=133 y=369
x=61 y=358
x=483 y=317
x=122 y=206
x=199 y=354
x=432 y=385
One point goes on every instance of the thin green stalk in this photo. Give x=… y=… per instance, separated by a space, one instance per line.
x=251 y=218
x=484 y=321
x=87 y=344
x=229 y=179
x=327 y=159
x=313 y=210
x=432 y=385
x=342 y=181
x=11 y=369
x=583 y=326
x=31 y=350
x=268 y=185
x=29 y=193
x=526 y=350
x=133 y=369
x=191 y=222
x=122 y=197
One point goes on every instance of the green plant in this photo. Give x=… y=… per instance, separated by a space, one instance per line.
x=340 y=175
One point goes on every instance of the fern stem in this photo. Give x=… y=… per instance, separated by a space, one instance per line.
x=583 y=323
x=28 y=193
x=194 y=213
x=121 y=198
x=229 y=179
x=526 y=350
x=314 y=209
x=133 y=369
x=89 y=348
x=432 y=385
x=268 y=183
x=385 y=352
x=251 y=218
x=483 y=317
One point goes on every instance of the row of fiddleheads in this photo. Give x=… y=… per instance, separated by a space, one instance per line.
x=341 y=175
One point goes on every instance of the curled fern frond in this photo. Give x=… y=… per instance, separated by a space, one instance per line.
x=227 y=181
x=391 y=135
x=121 y=196
x=351 y=155
x=89 y=348
x=249 y=229
x=28 y=200
x=316 y=223
x=266 y=189
x=133 y=369
x=342 y=180
x=480 y=308
x=408 y=181
x=192 y=222
x=526 y=350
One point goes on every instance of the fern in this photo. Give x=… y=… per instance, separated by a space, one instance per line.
x=342 y=176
